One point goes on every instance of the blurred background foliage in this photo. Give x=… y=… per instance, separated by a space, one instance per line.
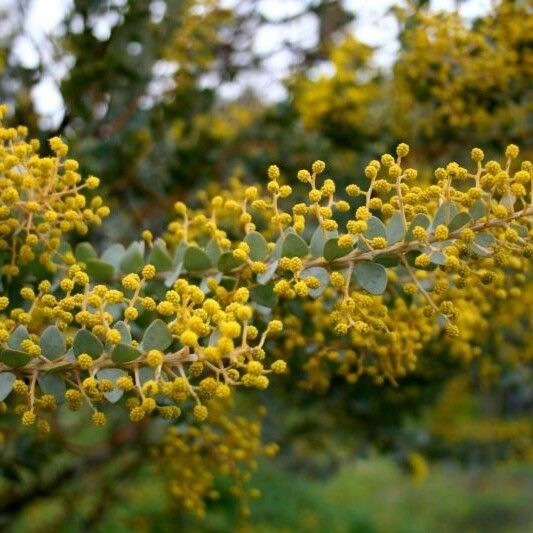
x=145 y=106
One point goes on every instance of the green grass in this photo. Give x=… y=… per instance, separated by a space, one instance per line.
x=371 y=496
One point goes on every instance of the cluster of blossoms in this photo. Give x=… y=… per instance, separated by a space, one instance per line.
x=193 y=458
x=361 y=279
x=41 y=200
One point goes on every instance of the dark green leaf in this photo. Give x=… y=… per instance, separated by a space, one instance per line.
x=99 y=270
x=227 y=262
x=264 y=295
x=196 y=259
x=294 y=246
x=332 y=250
x=84 y=252
x=15 y=358
x=123 y=353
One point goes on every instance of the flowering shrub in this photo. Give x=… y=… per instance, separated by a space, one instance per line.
x=376 y=273
x=363 y=279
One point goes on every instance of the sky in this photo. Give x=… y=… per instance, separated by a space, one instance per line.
x=373 y=26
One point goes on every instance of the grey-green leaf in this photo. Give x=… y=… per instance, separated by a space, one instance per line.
x=395 y=230
x=159 y=256
x=444 y=214
x=294 y=246
x=133 y=258
x=157 y=336
x=419 y=220
x=15 y=339
x=258 y=246
x=371 y=276
x=6 y=384
x=52 y=384
x=123 y=353
x=124 y=330
x=478 y=210
x=112 y=374
x=196 y=259
x=213 y=251
x=323 y=277
x=87 y=342
x=268 y=274
x=375 y=228
x=113 y=255
x=52 y=343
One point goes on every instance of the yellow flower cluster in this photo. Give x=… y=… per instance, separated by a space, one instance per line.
x=360 y=280
x=192 y=459
x=40 y=201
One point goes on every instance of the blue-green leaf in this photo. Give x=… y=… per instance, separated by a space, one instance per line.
x=157 y=336
x=159 y=256
x=395 y=230
x=268 y=274
x=15 y=339
x=6 y=384
x=371 y=276
x=321 y=274
x=133 y=258
x=459 y=220
x=112 y=374
x=419 y=220
x=52 y=384
x=52 y=343
x=375 y=228
x=258 y=246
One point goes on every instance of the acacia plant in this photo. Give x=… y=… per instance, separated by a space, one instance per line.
x=364 y=278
